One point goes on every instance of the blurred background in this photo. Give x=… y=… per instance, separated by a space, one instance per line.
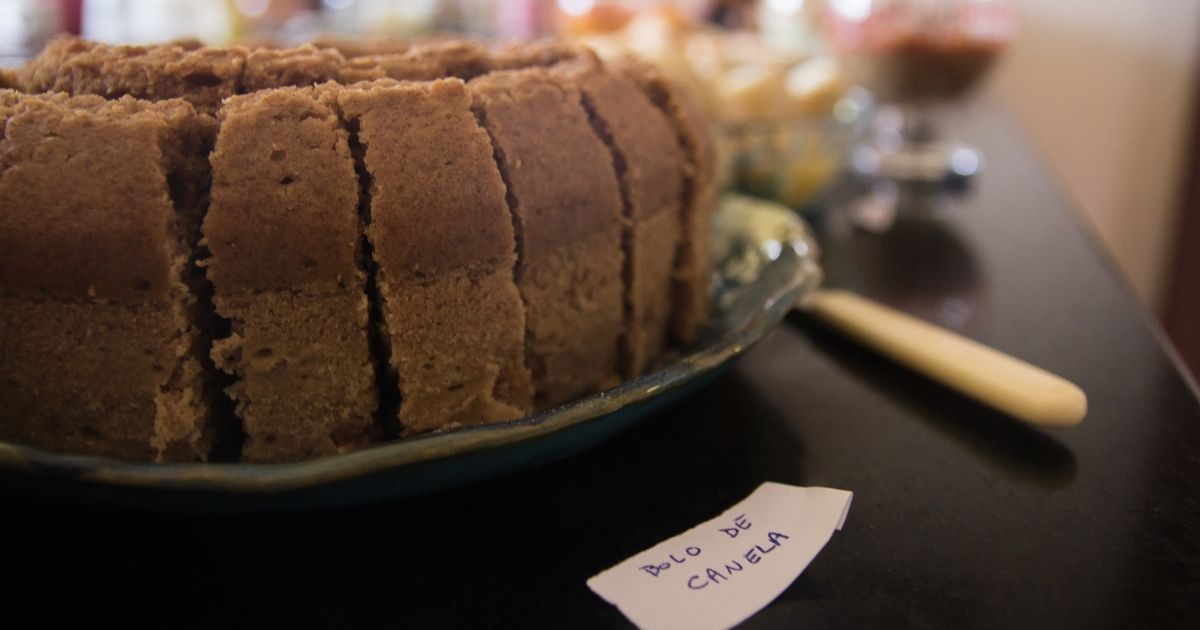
x=1105 y=88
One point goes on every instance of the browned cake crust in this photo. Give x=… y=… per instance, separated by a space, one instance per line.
x=363 y=46
x=283 y=231
x=283 y=67
x=8 y=79
x=458 y=58
x=444 y=245
x=566 y=201
x=540 y=53
x=647 y=160
x=204 y=77
x=101 y=350
x=693 y=268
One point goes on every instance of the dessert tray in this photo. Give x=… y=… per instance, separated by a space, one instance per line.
x=765 y=262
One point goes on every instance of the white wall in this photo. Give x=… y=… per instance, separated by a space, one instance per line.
x=1105 y=89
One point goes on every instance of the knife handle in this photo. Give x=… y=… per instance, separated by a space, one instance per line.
x=1013 y=386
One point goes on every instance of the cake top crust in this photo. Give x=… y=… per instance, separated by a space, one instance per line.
x=282 y=67
x=441 y=59
x=97 y=171
x=362 y=46
x=203 y=77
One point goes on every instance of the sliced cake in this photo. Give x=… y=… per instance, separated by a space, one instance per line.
x=283 y=230
x=469 y=235
x=445 y=252
x=566 y=202
x=102 y=352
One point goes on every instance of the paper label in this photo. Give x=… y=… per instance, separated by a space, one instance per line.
x=720 y=572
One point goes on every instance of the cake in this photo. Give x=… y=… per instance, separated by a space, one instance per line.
x=283 y=233
x=566 y=204
x=102 y=352
x=308 y=250
x=432 y=174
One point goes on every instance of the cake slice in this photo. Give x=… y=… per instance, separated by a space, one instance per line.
x=566 y=202
x=283 y=231
x=693 y=269
x=102 y=351
x=646 y=157
x=445 y=253
x=283 y=67
x=203 y=77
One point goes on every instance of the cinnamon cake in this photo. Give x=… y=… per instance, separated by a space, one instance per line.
x=323 y=248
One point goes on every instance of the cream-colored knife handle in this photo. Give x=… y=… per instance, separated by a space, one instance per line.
x=989 y=376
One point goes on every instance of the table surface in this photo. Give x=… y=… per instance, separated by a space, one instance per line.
x=961 y=517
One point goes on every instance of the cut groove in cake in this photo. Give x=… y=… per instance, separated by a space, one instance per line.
x=103 y=343
x=567 y=199
x=646 y=158
x=378 y=335
x=283 y=231
x=631 y=340
x=443 y=241
x=693 y=271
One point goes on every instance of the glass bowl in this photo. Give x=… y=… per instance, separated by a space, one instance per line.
x=793 y=160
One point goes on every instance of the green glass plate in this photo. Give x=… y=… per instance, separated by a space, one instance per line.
x=765 y=261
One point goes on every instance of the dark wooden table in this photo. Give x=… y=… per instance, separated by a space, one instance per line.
x=961 y=517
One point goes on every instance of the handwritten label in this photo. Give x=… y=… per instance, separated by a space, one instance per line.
x=720 y=572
